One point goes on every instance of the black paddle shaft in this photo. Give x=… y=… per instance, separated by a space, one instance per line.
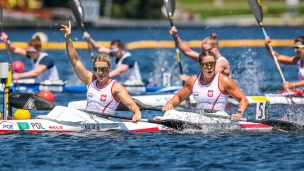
x=78 y=13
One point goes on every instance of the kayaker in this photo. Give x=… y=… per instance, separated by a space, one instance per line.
x=126 y=66
x=211 y=44
x=210 y=89
x=291 y=60
x=43 y=67
x=103 y=93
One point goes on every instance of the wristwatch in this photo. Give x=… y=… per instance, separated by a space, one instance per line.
x=239 y=112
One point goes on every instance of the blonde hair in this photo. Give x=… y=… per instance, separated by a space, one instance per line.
x=103 y=58
x=212 y=40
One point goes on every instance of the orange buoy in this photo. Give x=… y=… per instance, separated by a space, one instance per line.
x=21 y=114
x=18 y=66
x=46 y=94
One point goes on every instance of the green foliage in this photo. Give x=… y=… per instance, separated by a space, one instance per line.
x=207 y=8
x=134 y=9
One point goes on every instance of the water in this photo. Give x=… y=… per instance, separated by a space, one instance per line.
x=253 y=70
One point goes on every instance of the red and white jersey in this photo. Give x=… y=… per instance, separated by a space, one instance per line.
x=209 y=96
x=101 y=100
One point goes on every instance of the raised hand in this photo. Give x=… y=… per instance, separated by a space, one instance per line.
x=4 y=37
x=86 y=35
x=66 y=29
x=173 y=30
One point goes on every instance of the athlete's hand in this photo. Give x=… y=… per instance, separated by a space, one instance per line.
x=136 y=117
x=173 y=30
x=287 y=85
x=184 y=77
x=16 y=75
x=86 y=35
x=4 y=37
x=168 y=106
x=236 y=117
x=66 y=30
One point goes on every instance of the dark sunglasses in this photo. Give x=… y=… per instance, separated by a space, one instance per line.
x=100 y=69
x=297 y=47
x=206 y=64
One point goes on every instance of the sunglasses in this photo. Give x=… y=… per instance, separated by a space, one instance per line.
x=297 y=47
x=100 y=69
x=206 y=64
x=31 y=50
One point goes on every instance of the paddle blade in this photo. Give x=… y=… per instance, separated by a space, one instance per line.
x=122 y=107
x=77 y=10
x=256 y=8
x=170 y=7
x=29 y=101
x=284 y=125
x=145 y=107
x=179 y=124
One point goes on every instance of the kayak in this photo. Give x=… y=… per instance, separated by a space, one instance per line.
x=67 y=119
x=30 y=85
x=64 y=119
x=220 y=122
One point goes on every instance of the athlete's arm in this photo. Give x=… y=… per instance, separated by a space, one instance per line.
x=229 y=86
x=181 y=95
x=121 y=93
x=183 y=46
x=82 y=73
x=283 y=59
x=223 y=67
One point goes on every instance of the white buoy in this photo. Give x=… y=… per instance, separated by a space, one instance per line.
x=43 y=37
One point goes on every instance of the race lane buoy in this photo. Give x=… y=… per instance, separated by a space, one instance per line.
x=21 y=114
x=18 y=66
x=46 y=94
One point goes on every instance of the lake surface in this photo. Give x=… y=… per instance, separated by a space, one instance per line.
x=252 y=69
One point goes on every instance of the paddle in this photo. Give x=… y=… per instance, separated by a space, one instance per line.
x=256 y=8
x=2 y=32
x=278 y=124
x=35 y=102
x=6 y=41
x=170 y=8
x=172 y=123
x=78 y=13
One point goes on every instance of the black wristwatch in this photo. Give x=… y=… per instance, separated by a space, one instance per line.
x=239 y=112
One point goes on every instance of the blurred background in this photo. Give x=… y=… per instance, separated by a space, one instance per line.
x=22 y=13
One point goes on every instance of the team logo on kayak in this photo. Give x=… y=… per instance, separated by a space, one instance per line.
x=210 y=93
x=103 y=97
x=30 y=104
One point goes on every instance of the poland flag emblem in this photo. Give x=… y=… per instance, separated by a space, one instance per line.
x=210 y=93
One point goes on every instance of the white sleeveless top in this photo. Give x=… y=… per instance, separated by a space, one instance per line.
x=209 y=96
x=223 y=58
x=48 y=74
x=300 y=70
x=101 y=100
x=132 y=73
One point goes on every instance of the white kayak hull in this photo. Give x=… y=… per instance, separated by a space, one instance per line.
x=45 y=123
x=42 y=125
